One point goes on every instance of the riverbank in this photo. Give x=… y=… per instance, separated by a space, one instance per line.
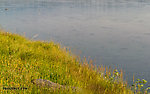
x=22 y=60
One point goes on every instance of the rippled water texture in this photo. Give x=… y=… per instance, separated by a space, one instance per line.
x=113 y=32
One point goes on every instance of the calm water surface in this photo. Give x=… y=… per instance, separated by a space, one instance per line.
x=113 y=32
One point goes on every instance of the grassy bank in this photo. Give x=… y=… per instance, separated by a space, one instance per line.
x=22 y=60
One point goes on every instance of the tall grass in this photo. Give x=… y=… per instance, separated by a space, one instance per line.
x=22 y=60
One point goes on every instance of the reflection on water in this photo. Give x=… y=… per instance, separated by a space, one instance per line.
x=113 y=32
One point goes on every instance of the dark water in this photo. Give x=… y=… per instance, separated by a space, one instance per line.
x=112 y=32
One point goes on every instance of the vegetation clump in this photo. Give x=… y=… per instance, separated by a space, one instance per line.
x=22 y=60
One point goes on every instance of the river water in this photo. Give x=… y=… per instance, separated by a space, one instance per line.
x=114 y=33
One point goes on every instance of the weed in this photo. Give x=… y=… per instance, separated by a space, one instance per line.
x=22 y=60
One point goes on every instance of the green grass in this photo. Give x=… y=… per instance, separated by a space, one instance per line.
x=22 y=60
